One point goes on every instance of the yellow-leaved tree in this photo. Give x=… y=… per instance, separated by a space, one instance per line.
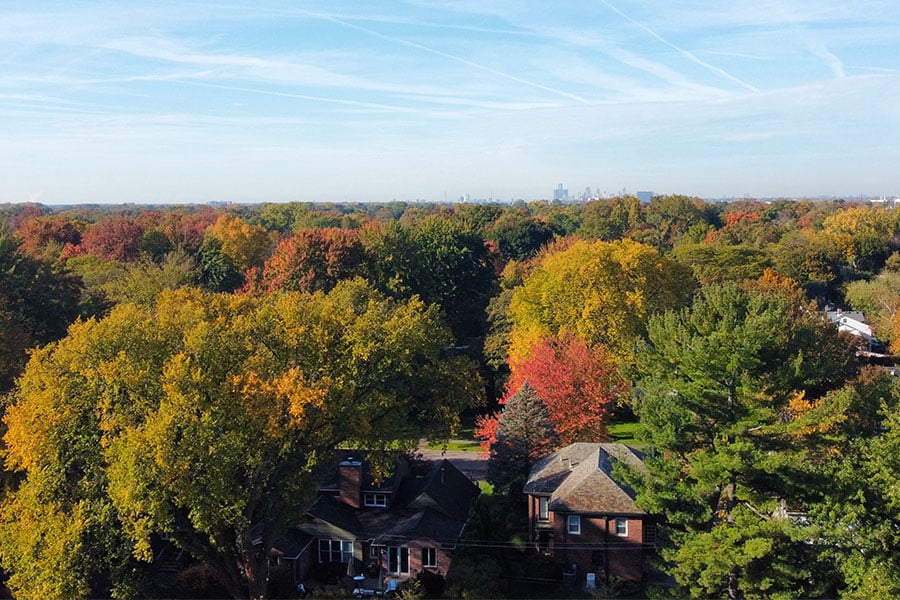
x=203 y=416
x=600 y=292
x=245 y=244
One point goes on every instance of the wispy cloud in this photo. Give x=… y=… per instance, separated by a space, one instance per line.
x=459 y=59
x=372 y=100
x=818 y=49
x=687 y=54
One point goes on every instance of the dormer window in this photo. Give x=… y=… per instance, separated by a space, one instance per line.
x=375 y=500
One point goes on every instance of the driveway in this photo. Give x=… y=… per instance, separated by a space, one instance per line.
x=472 y=464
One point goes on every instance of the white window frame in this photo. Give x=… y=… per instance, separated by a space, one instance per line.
x=543 y=508
x=622 y=526
x=375 y=499
x=397 y=553
x=344 y=550
x=573 y=525
x=429 y=557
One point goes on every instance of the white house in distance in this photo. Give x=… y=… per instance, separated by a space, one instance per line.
x=853 y=322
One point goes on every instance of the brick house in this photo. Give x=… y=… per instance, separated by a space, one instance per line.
x=375 y=531
x=580 y=514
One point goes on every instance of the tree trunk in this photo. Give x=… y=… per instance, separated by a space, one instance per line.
x=734 y=592
x=255 y=565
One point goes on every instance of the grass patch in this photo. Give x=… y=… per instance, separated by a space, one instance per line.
x=625 y=433
x=456 y=446
x=486 y=488
x=464 y=441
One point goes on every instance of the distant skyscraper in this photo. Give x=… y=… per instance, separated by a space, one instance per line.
x=560 y=194
x=644 y=197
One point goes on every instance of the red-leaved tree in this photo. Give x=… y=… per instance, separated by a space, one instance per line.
x=313 y=260
x=47 y=235
x=115 y=238
x=578 y=383
x=185 y=227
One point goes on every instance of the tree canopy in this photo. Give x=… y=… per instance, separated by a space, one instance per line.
x=439 y=260
x=38 y=301
x=203 y=416
x=600 y=292
x=579 y=384
x=314 y=259
x=524 y=433
x=724 y=384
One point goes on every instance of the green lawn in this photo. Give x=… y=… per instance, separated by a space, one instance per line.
x=464 y=441
x=456 y=445
x=625 y=433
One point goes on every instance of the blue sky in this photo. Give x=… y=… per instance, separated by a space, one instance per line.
x=374 y=101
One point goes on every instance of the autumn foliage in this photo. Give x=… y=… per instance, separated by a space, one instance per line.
x=577 y=382
x=601 y=292
x=314 y=259
x=113 y=239
x=246 y=245
x=45 y=236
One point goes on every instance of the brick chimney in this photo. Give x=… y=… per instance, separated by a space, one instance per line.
x=350 y=482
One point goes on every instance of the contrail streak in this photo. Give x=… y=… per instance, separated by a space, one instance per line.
x=355 y=103
x=464 y=61
x=687 y=54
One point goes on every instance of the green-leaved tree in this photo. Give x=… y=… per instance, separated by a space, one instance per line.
x=202 y=416
x=726 y=468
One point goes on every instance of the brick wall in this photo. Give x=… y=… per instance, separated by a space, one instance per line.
x=350 y=482
x=597 y=548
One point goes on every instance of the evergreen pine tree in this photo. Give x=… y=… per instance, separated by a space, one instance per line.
x=524 y=434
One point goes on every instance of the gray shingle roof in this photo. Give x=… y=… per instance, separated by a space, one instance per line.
x=579 y=479
x=435 y=506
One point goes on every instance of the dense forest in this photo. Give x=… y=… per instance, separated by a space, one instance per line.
x=185 y=369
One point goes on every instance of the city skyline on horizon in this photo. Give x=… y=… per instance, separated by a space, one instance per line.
x=170 y=102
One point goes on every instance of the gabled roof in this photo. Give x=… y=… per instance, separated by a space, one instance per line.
x=434 y=506
x=329 y=509
x=851 y=321
x=292 y=543
x=579 y=479
x=446 y=490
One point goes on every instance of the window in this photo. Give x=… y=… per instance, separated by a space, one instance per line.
x=398 y=560
x=574 y=524
x=621 y=526
x=375 y=551
x=429 y=557
x=544 y=508
x=335 y=551
x=372 y=499
x=650 y=534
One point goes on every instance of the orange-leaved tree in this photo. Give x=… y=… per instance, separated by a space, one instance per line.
x=314 y=259
x=578 y=383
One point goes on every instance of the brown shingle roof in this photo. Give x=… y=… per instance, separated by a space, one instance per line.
x=579 y=479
